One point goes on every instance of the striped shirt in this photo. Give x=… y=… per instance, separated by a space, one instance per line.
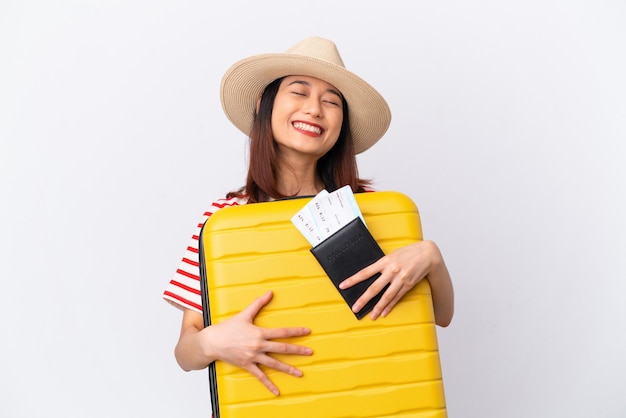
x=183 y=290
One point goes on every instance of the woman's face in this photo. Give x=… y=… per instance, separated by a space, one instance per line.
x=307 y=116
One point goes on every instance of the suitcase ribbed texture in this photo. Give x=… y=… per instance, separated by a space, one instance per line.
x=384 y=368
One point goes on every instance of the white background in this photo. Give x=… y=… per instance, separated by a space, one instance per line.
x=509 y=124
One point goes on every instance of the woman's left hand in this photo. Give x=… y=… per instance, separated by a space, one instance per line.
x=403 y=269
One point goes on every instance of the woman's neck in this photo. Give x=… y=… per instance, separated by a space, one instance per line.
x=299 y=181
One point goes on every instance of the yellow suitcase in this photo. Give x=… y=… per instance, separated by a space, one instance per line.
x=360 y=368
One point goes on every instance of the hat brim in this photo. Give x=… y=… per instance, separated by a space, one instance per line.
x=244 y=82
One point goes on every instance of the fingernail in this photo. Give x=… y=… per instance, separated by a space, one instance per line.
x=342 y=285
x=356 y=308
x=375 y=314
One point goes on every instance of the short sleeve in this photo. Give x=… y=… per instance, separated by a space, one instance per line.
x=183 y=290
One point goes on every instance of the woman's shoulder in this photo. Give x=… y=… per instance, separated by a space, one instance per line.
x=231 y=200
x=226 y=202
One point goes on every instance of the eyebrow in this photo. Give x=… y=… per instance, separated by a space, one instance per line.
x=306 y=83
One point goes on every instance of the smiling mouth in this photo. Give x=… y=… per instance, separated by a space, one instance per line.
x=308 y=128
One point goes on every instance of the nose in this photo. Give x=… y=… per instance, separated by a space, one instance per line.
x=313 y=107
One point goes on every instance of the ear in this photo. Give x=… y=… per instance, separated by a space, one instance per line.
x=258 y=105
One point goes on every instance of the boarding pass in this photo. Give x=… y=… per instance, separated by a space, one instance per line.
x=326 y=213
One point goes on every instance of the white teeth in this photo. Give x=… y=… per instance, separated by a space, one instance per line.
x=306 y=127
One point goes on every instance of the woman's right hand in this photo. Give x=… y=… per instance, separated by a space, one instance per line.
x=239 y=342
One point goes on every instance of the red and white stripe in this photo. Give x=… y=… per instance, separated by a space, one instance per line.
x=183 y=291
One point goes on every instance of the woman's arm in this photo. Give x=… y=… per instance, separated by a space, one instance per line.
x=403 y=269
x=239 y=342
x=442 y=290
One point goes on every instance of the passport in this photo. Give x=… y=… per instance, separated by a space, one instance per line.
x=346 y=252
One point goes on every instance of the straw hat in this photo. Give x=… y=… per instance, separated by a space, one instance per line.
x=315 y=57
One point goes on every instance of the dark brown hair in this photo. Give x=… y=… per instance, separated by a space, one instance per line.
x=336 y=168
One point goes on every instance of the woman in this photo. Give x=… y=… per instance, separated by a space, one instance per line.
x=307 y=118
